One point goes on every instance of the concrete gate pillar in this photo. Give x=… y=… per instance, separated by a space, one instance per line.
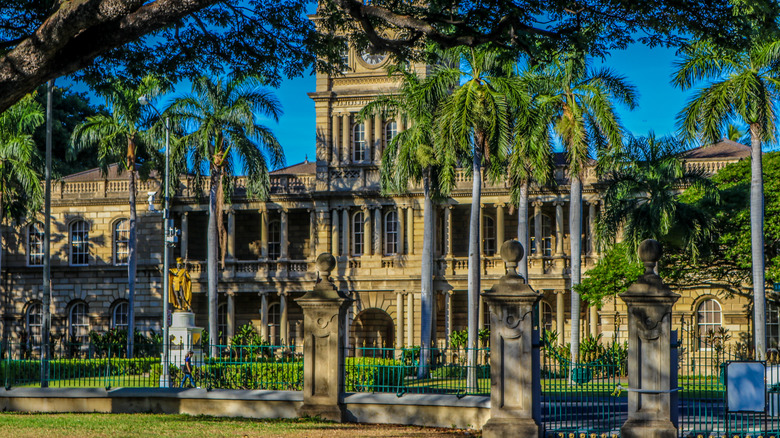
x=515 y=393
x=324 y=309
x=649 y=303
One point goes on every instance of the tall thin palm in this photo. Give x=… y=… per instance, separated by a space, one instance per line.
x=584 y=118
x=475 y=122
x=641 y=197
x=741 y=85
x=220 y=118
x=410 y=158
x=124 y=136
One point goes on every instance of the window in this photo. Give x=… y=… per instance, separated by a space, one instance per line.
x=547 y=316
x=274 y=318
x=79 y=243
x=121 y=241
x=274 y=240
x=357 y=234
x=773 y=325
x=546 y=235
x=391 y=233
x=78 y=323
x=708 y=321
x=391 y=130
x=485 y=315
x=34 y=323
x=222 y=323
x=119 y=316
x=489 y=236
x=34 y=245
x=359 y=142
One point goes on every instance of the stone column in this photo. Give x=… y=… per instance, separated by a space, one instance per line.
x=368 y=126
x=285 y=243
x=264 y=233
x=410 y=230
x=515 y=387
x=559 y=228
x=399 y=319
x=377 y=240
x=334 y=158
x=345 y=249
x=324 y=307
x=284 y=332
x=367 y=246
x=410 y=319
x=481 y=234
x=538 y=229
x=378 y=138
x=499 y=225
x=593 y=318
x=480 y=313
x=448 y=227
x=185 y=235
x=334 y=223
x=231 y=315
x=649 y=305
x=312 y=233
x=592 y=227
x=448 y=297
x=559 y=314
x=231 y=235
x=346 y=133
x=264 y=315
x=401 y=229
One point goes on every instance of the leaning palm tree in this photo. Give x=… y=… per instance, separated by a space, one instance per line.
x=642 y=197
x=743 y=85
x=475 y=126
x=123 y=136
x=410 y=158
x=220 y=120
x=584 y=118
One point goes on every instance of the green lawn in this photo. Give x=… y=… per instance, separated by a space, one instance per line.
x=20 y=425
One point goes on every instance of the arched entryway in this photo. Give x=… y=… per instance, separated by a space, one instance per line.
x=372 y=328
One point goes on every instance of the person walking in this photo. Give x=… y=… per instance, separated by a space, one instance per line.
x=187 y=369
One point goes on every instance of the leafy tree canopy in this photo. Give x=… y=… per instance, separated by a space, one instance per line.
x=612 y=275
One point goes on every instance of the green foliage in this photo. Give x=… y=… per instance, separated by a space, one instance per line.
x=459 y=338
x=375 y=374
x=271 y=374
x=30 y=370
x=611 y=276
x=113 y=343
x=247 y=335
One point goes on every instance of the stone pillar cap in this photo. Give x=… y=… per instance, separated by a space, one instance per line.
x=512 y=284
x=650 y=283
x=325 y=288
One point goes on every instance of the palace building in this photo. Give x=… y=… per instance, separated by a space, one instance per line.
x=332 y=204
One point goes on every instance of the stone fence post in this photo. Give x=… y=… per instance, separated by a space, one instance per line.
x=324 y=309
x=515 y=393
x=649 y=303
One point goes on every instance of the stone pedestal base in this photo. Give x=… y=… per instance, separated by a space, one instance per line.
x=508 y=427
x=185 y=337
x=648 y=429
x=325 y=412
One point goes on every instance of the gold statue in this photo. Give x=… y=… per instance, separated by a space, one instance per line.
x=180 y=287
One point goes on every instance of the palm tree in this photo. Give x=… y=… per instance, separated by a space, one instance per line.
x=220 y=118
x=642 y=197
x=743 y=85
x=584 y=119
x=475 y=122
x=20 y=184
x=410 y=158
x=123 y=137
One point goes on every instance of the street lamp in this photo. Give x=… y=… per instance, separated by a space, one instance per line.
x=167 y=242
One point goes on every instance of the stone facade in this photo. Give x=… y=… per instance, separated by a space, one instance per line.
x=332 y=204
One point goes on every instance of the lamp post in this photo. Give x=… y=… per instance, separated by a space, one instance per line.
x=167 y=242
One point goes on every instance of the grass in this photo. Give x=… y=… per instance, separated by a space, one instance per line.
x=20 y=425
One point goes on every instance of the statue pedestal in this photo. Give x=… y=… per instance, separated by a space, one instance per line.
x=184 y=336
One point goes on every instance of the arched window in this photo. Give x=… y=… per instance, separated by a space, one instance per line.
x=274 y=318
x=547 y=316
x=78 y=323
x=35 y=245
x=357 y=234
x=222 y=323
x=34 y=322
x=120 y=315
x=708 y=320
x=274 y=240
x=488 y=235
x=79 y=243
x=391 y=233
x=546 y=235
x=121 y=241
x=391 y=130
x=359 y=142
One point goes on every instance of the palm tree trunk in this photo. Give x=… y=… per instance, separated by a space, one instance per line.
x=575 y=241
x=132 y=258
x=523 y=233
x=212 y=258
x=757 y=241
x=474 y=263
x=426 y=282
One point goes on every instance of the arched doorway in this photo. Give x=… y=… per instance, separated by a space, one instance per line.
x=372 y=328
